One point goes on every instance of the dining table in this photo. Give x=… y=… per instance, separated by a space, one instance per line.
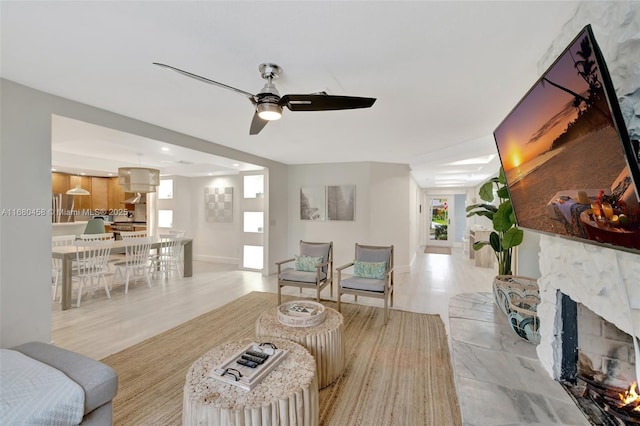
x=68 y=254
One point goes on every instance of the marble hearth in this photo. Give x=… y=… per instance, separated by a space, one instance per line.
x=499 y=379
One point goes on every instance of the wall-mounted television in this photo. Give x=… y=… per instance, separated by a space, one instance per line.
x=570 y=166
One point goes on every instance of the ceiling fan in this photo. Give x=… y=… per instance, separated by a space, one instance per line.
x=268 y=103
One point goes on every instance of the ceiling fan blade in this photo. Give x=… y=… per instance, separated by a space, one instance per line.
x=257 y=124
x=251 y=97
x=324 y=102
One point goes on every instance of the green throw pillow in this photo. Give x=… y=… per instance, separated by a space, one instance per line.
x=373 y=270
x=307 y=263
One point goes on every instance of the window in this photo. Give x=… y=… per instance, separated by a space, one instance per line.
x=165 y=218
x=165 y=190
x=253 y=221
x=253 y=186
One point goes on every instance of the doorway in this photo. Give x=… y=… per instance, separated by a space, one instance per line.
x=439 y=221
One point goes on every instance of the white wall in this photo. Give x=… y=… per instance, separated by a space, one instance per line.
x=181 y=204
x=215 y=241
x=382 y=209
x=25 y=162
x=416 y=222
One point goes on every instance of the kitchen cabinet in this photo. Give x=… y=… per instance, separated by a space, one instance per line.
x=106 y=194
x=99 y=193
x=116 y=195
x=59 y=183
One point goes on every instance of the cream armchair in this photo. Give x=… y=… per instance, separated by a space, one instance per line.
x=313 y=268
x=372 y=275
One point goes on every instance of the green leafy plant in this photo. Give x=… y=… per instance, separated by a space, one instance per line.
x=506 y=235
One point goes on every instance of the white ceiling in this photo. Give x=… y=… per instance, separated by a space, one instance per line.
x=444 y=74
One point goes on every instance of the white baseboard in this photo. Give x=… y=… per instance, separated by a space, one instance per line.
x=217 y=259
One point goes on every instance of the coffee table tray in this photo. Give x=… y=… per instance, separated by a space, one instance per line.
x=230 y=371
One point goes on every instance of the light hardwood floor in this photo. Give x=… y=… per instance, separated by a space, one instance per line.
x=101 y=326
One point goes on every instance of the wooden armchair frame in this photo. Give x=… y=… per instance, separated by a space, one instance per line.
x=388 y=280
x=320 y=282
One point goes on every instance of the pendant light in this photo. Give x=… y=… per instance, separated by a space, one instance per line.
x=78 y=190
x=138 y=179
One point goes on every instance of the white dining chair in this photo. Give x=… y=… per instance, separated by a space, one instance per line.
x=92 y=258
x=136 y=263
x=168 y=257
x=56 y=264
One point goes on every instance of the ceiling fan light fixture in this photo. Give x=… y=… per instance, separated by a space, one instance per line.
x=269 y=111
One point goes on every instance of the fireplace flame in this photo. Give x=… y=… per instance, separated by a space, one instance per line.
x=630 y=398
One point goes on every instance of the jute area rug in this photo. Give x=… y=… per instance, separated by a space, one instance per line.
x=399 y=374
x=437 y=250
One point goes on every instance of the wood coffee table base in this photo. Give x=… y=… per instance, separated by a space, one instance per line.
x=324 y=341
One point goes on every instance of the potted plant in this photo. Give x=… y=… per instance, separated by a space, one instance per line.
x=506 y=235
x=517 y=297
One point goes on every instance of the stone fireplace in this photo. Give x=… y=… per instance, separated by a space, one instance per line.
x=589 y=311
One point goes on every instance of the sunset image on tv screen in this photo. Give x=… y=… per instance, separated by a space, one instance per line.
x=563 y=157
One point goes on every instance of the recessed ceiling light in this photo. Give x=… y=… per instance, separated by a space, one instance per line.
x=164 y=148
x=210 y=174
x=236 y=165
x=53 y=170
x=82 y=173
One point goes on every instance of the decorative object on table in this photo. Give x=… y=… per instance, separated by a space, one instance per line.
x=506 y=235
x=247 y=367
x=507 y=286
x=218 y=204
x=313 y=203
x=523 y=317
x=301 y=310
x=290 y=313
x=341 y=202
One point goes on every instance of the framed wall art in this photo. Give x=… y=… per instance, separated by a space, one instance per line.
x=341 y=202
x=218 y=204
x=312 y=203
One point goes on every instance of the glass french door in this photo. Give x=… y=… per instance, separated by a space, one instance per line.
x=439 y=221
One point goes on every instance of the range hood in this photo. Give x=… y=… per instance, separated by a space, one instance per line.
x=136 y=199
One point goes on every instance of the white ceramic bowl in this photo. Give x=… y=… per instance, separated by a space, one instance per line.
x=299 y=320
